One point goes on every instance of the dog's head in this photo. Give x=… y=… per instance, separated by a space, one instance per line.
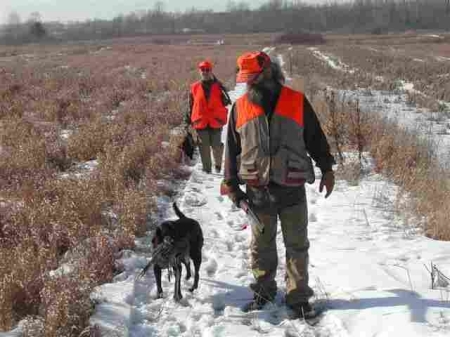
x=164 y=232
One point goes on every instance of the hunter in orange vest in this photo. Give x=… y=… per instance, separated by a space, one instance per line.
x=207 y=115
x=272 y=134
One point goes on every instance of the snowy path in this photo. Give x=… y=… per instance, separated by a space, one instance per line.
x=366 y=264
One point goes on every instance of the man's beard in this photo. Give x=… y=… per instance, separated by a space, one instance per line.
x=256 y=92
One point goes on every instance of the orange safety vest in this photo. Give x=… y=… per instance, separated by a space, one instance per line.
x=275 y=152
x=209 y=112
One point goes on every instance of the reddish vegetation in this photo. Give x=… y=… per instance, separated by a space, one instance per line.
x=118 y=103
x=61 y=106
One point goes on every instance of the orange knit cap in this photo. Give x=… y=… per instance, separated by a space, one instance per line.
x=205 y=65
x=250 y=65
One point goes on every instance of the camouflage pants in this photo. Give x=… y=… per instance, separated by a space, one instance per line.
x=264 y=258
x=210 y=139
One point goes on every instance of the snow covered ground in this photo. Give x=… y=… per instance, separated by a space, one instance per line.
x=366 y=266
x=432 y=126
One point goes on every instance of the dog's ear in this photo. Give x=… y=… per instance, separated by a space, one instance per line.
x=168 y=228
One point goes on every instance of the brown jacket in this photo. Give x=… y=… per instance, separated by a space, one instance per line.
x=311 y=136
x=274 y=152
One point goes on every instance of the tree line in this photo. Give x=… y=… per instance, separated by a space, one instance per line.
x=358 y=16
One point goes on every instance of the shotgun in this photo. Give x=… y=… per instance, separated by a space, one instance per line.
x=254 y=220
x=243 y=204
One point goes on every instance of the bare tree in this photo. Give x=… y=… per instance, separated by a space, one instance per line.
x=37 y=30
x=447 y=11
x=233 y=6
x=158 y=7
x=13 y=19
x=35 y=17
x=12 y=30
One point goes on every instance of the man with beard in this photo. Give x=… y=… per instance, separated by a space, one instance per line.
x=207 y=115
x=272 y=132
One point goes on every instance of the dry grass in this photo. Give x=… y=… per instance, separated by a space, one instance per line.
x=403 y=156
x=118 y=104
x=60 y=106
x=406 y=159
x=413 y=164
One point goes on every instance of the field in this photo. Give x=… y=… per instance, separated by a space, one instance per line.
x=90 y=133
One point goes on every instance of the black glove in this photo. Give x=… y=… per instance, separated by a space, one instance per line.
x=233 y=192
x=236 y=196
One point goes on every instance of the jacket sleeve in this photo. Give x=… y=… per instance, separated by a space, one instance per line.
x=315 y=140
x=226 y=100
x=232 y=151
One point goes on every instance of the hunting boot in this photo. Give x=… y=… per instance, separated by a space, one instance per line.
x=260 y=298
x=301 y=310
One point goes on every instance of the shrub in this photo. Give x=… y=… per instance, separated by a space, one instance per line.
x=300 y=38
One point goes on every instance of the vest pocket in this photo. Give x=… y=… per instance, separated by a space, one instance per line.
x=249 y=173
x=299 y=170
x=290 y=169
x=295 y=172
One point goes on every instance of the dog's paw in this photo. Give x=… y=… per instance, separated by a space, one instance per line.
x=191 y=289
x=177 y=298
x=160 y=295
x=188 y=276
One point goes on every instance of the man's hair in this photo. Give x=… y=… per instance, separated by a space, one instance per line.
x=277 y=73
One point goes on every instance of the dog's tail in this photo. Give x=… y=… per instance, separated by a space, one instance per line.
x=177 y=211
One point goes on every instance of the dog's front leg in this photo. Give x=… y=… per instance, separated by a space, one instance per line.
x=177 y=291
x=197 y=258
x=187 y=264
x=157 y=272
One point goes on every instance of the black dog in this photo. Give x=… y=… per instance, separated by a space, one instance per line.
x=188 y=145
x=185 y=241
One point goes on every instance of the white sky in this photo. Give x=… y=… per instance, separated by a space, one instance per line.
x=65 y=10
x=366 y=266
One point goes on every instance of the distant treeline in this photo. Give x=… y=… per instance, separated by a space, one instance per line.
x=359 y=16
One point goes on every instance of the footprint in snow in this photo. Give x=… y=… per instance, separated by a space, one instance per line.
x=214 y=233
x=195 y=199
x=211 y=267
x=218 y=215
x=229 y=245
x=239 y=238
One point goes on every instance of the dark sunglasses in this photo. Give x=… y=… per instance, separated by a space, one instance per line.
x=205 y=70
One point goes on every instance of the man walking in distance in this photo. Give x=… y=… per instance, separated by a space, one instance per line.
x=207 y=115
x=272 y=131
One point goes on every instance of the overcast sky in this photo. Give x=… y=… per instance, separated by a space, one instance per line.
x=65 y=10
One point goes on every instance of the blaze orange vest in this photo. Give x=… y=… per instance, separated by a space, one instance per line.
x=209 y=112
x=276 y=151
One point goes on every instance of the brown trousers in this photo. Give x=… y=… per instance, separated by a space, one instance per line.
x=264 y=258
x=210 y=139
